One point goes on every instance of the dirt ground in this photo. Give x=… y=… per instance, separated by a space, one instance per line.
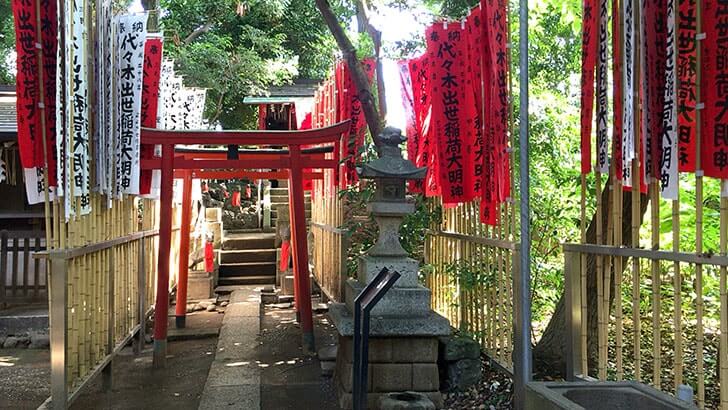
x=25 y=378
x=293 y=380
x=178 y=386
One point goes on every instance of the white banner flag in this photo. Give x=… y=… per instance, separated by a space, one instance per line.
x=628 y=127
x=669 y=155
x=165 y=76
x=200 y=96
x=72 y=114
x=104 y=96
x=173 y=110
x=187 y=99
x=35 y=186
x=131 y=34
x=80 y=109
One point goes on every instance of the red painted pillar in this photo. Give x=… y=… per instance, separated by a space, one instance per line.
x=184 y=251
x=165 y=241
x=294 y=256
x=298 y=231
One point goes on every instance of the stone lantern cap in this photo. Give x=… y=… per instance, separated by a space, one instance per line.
x=390 y=163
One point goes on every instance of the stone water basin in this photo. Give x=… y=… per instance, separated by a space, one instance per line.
x=599 y=396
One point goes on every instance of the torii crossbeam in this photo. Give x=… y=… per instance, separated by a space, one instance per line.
x=293 y=162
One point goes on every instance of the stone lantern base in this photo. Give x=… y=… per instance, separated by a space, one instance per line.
x=403 y=353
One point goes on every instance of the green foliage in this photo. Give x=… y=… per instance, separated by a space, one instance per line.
x=363 y=230
x=451 y=8
x=237 y=48
x=7 y=42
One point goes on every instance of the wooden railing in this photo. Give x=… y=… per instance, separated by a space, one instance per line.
x=22 y=277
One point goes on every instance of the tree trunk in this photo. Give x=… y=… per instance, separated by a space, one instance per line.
x=358 y=75
x=365 y=26
x=550 y=353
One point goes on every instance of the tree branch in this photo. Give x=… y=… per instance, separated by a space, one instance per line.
x=358 y=75
x=218 y=108
x=362 y=16
x=198 y=32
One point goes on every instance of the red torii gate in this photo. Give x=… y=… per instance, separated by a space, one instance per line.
x=215 y=165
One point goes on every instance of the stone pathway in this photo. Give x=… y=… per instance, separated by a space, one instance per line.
x=234 y=378
x=259 y=364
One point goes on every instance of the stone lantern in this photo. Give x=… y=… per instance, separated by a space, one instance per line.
x=404 y=329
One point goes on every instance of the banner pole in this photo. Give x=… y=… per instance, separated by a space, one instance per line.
x=41 y=106
x=522 y=351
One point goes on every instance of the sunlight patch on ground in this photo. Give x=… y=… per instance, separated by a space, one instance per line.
x=8 y=361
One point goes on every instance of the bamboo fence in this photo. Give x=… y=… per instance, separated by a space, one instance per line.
x=103 y=270
x=470 y=272
x=330 y=241
x=669 y=283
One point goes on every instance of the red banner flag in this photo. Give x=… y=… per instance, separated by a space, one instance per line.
x=447 y=111
x=30 y=135
x=411 y=131
x=654 y=48
x=714 y=142
x=421 y=93
x=150 y=102
x=686 y=72
x=590 y=27
x=474 y=100
x=357 y=131
x=497 y=168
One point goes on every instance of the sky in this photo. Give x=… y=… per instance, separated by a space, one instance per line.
x=395 y=25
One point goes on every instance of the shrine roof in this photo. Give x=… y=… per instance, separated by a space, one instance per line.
x=8 y=118
x=301 y=88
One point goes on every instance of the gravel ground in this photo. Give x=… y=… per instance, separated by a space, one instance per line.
x=494 y=392
x=176 y=387
x=25 y=377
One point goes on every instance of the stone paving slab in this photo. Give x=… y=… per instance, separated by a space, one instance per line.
x=234 y=378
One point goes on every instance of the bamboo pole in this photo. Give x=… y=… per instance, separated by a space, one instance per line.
x=699 y=210
x=677 y=299
x=582 y=227
x=41 y=106
x=636 y=187
x=601 y=314
x=656 y=287
x=618 y=280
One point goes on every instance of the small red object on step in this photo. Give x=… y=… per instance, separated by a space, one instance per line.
x=209 y=257
x=285 y=255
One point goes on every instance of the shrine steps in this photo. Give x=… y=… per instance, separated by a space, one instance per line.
x=247 y=259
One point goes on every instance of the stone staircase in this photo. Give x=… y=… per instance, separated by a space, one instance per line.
x=247 y=259
x=279 y=197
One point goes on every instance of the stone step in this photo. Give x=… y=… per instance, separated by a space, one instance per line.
x=247 y=280
x=283 y=198
x=279 y=191
x=249 y=241
x=274 y=214
x=247 y=255
x=247 y=269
